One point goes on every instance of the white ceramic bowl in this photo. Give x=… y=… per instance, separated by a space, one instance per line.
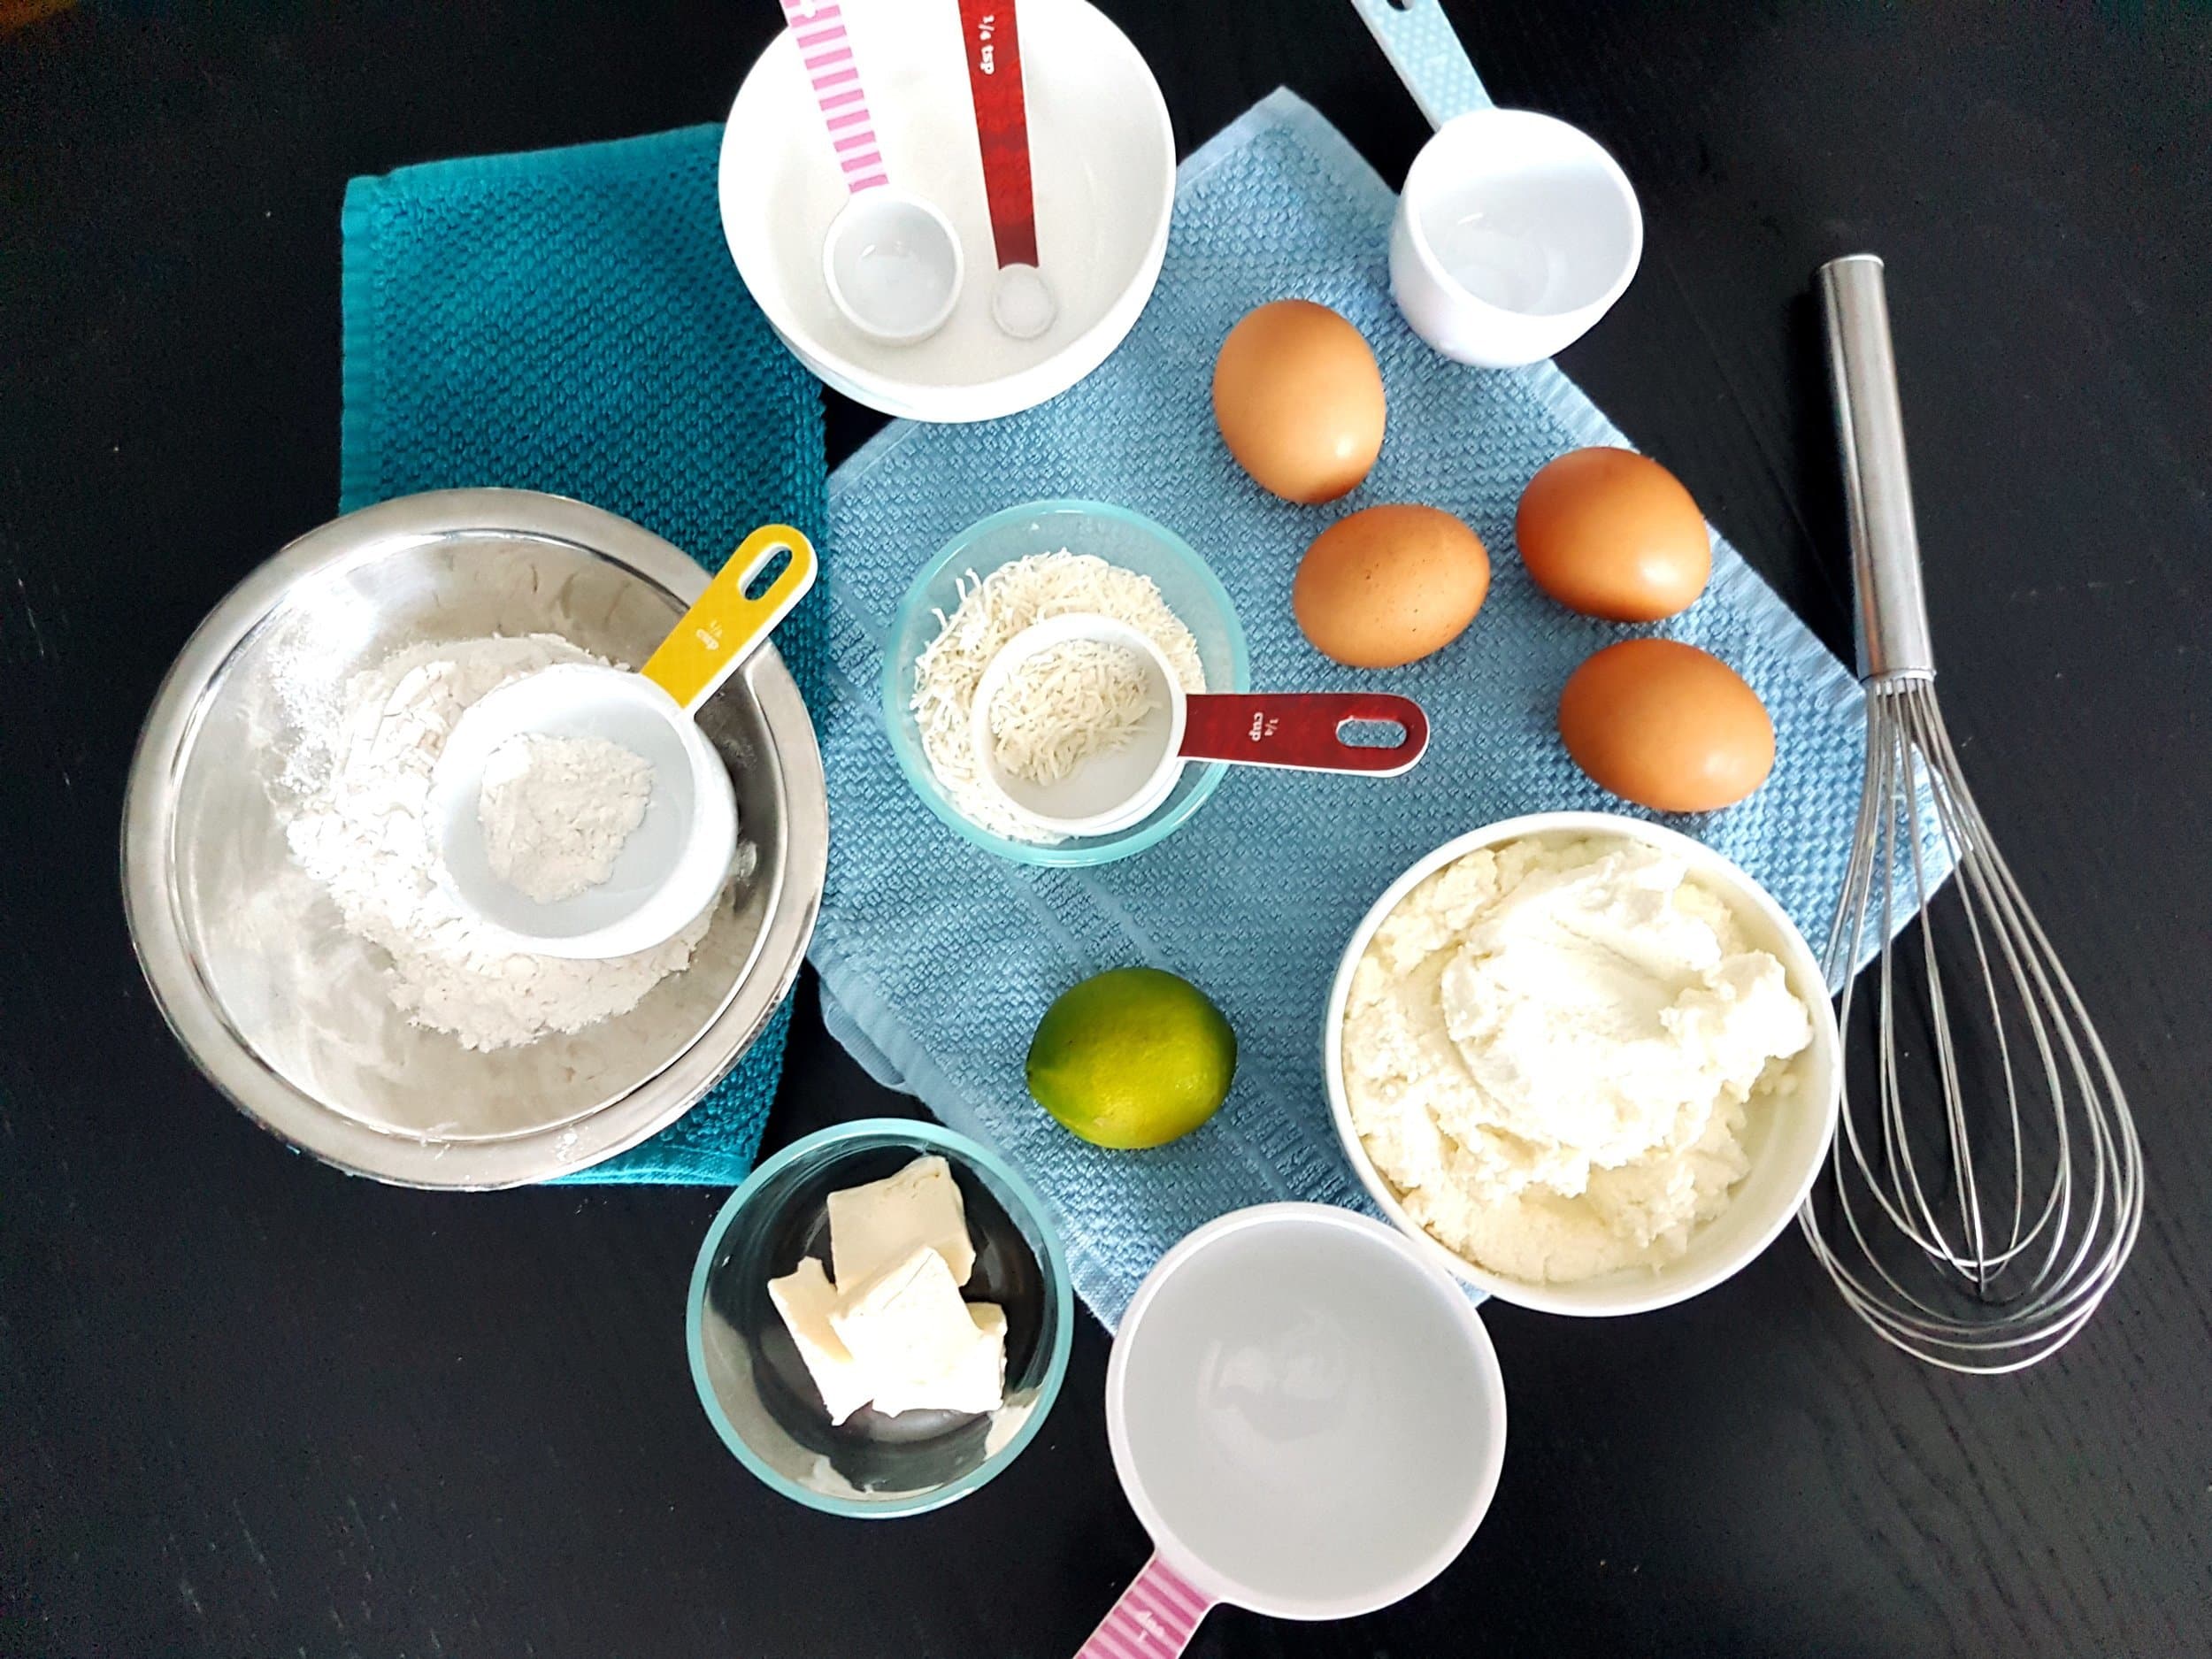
x=1788 y=1134
x=1103 y=158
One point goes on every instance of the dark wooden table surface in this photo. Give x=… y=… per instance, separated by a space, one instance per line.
x=251 y=1407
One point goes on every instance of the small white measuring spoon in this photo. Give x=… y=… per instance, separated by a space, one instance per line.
x=891 y=260
x=1514 y=232
x=676 y=859
x=1307 y=1418
x=1301 y=730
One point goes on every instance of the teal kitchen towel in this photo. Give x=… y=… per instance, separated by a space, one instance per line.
x=937 y=958
x=570 y=320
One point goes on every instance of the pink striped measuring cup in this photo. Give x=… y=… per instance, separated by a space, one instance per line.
x=891 y=260
x=1306 y=1417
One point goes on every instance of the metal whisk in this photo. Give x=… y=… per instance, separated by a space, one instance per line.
x=1989 y=1187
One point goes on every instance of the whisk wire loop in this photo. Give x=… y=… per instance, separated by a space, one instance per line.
x=2043 y=1208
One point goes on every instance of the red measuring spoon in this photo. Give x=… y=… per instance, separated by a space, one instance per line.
x=1022 y=303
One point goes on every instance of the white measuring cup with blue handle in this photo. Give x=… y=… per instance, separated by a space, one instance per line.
x=1516 y=231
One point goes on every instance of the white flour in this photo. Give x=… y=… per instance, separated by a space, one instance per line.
x=558 y=811
x=364 y=832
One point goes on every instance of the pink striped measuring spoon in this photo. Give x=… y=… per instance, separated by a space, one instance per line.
x=1306 y=1417
x=891 y=260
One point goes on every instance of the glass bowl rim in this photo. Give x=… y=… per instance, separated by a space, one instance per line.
x=918 y=1132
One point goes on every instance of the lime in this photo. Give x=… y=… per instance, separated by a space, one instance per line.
x=1131 y=1057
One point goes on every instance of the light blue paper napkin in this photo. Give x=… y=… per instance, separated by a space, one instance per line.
x=937 y=959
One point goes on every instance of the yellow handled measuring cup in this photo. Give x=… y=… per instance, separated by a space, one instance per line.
x=723 y=626
x=673 y=864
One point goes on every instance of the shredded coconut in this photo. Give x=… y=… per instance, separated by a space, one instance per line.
x=558 y=811
x=1067 y=704
x=364 y=831
x=992 y=611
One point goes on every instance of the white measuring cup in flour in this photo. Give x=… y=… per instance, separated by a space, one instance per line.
x=1514 y=232
x=1110 y=790
x=676 y=860
x=1306 y=1415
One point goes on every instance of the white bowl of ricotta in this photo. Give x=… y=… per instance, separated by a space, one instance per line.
x=1586 y=1062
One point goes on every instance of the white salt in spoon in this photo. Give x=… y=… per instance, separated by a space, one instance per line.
x=675 y=862
x=1299 y=730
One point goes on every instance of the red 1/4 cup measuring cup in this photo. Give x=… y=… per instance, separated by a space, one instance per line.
x=1112 y=789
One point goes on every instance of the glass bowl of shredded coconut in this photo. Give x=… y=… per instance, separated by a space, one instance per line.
x=282 y=881
x=999 y=577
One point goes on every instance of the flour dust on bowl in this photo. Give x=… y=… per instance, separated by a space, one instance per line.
x=763 y=1392
x=1582 y=1062
x=1016 y=570
x=1102 y=165
x=244 y=850
x=1306 y=1415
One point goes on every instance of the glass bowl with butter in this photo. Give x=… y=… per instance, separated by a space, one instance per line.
x=879 y=1318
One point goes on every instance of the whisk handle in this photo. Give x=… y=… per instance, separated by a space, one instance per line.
x=1894 y=642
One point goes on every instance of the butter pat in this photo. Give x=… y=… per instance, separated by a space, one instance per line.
x=804 y=1297
x=921 y=1347
x=983 y=1386
x=875 y=1227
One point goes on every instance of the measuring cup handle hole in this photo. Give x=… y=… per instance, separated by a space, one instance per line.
x=1361 y=732
x=760 y=581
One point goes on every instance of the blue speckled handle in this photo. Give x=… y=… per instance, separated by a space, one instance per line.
x=1417 y=38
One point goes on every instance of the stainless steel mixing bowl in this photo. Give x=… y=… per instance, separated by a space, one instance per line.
x=286 y=1011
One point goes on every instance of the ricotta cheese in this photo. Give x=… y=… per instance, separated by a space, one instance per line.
x=1552 y=1051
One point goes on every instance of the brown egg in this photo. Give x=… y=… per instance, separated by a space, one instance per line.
x=1613 y=533
x=1300 y=401
x=1390 y=585
x=1666 y=726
